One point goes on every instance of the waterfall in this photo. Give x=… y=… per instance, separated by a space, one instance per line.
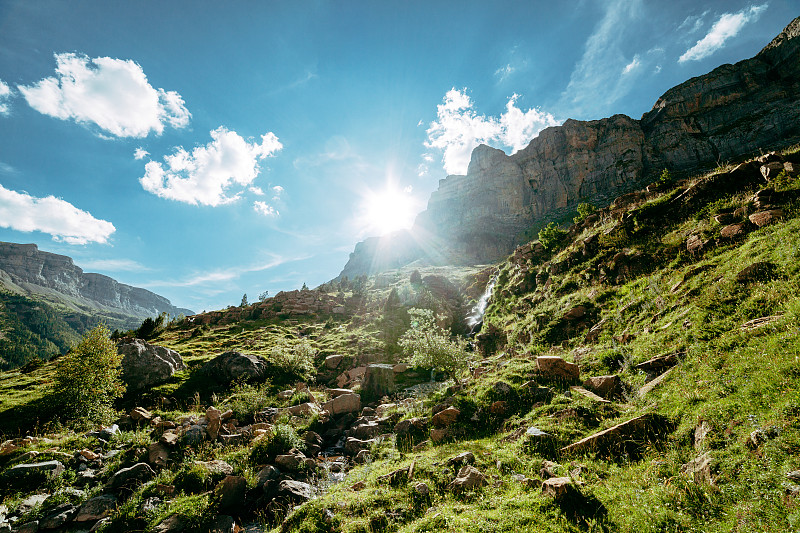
x=475 y=317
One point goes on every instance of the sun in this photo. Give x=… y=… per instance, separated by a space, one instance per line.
x=388 y=210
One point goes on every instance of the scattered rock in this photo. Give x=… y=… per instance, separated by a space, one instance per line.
x=131 y=477
x=353 y=446
x=332 y=362
x=760 y=322
x=295 y=491
x=345 y=403
x=46 y=468
x=652 y=384
x=378 y=381
x=757 y=272
x=605 y=386
x=700 y=468
x=733 y=231
x=625 y=437
x=230 y=366
x=439 y=435
x=659 y=364
x=588 y=394
x=140 y=414
x=171 y=524
x=557 y=487
x=96 y=508
x=422 y=489
x=765 y=218
x=216 y=467
x=58 y=516
x=224 y=524
x=158 y=454
x=445 y=417
x=145 y=365
x=195 y=434
x=230 y=493
x=701 y=432
x=400 y=368
x=464 y=458
x=554 y=367
x=468 y=478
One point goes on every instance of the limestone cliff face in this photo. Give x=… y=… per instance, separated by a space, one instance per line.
x=732 y=112
x=24 y=266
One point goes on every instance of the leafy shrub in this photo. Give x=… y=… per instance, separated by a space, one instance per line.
x=87 y=379
x=247 y=399
x=428 y=345
x=293 y=361
x=551 y=236
x=193 y=478
x=150 y=328
x=279 y=440
x=584 y=210
x=665 y=177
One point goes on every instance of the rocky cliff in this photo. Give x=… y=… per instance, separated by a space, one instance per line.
x=730 y=113
x=26 y=269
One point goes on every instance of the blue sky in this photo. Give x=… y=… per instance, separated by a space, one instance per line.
x=204 y=150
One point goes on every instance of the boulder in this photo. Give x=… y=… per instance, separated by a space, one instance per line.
x=605 y=386
x=230 y=366
x=733 y=231
x=625 y=437
x=140 y=414
x=46 y=468
x=659 y=364
x=96 y=508
x=223 y=524
x=158 y=454
x=230 y=494
x=58 y=516
x=345 y=403
x=131 y=477
x=378 y=381
x=765 y=218
x=468 y=478
x=759 y=271
x=295 y=491
x=554 y=367
x=353 y=445
x=557 y=487
x=216 y=467
x=445 y=417
x=700 y=468
x=145 y=364
x=332 y=362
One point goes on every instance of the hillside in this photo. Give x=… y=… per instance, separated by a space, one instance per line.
x=47 y=303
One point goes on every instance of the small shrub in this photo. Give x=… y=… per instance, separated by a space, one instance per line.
x=192 y=479
x=246 y=399
x=584 y=210
x=293 y=361
x=279 y=440
x=551 y=236
x=428 y=345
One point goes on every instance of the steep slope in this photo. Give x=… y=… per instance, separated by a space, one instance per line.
x=725 y=115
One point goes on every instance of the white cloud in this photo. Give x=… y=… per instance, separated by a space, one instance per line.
x=595 y=83
x=633 y=65
x=458 y=129
x=263 y=208
x=258 y=191
x=204 y=175
x=113 y=265
x=140 y=153
x=62 y=220
x=5 y=97
x=113 y=94
x=728 y=26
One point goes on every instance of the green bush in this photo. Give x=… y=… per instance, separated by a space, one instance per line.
x=584 y=210
x=279 y=440
x=248 y=399
x=428 y=345
x=293 y=361
x=87 y=379
x=551 y=236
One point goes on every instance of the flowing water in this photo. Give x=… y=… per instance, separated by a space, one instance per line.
x=475 y=318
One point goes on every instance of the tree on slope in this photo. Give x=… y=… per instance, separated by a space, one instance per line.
x=427 y=344
x=87 y=379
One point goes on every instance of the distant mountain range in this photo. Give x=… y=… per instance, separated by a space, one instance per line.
x=730 y=113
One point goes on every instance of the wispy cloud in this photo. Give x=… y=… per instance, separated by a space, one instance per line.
x=140 y=153
x=62 y=220
x=225 y=275
x=113 y=265
x=728 y=26
x=595 y=83
x=113 y=94
x=458 y=129
x=692 y=23
x=633 y=65
x=5 y=98
x=503 y=73
x=204 y=175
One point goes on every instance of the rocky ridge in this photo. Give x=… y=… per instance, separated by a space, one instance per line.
x=728 y=114
x=27 y=270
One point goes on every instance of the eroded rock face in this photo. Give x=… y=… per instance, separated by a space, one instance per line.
x=229 y=366
x=145 y=364
x=726 y=114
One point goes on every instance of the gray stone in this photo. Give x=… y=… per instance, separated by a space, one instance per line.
x=230 y=366
x=131 y=477
x=345 y=403
x=48 y=468
x=58 y=516
x=332 y=362
x=295 y=491
x=145 y=364
x=96 y=508
x=468 y=478
x=378 y=381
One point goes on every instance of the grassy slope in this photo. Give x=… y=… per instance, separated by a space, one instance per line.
x=735 y=380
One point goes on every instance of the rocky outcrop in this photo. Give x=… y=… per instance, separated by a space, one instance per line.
x=730 y=113
x=145 y=364
x=24 y=268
